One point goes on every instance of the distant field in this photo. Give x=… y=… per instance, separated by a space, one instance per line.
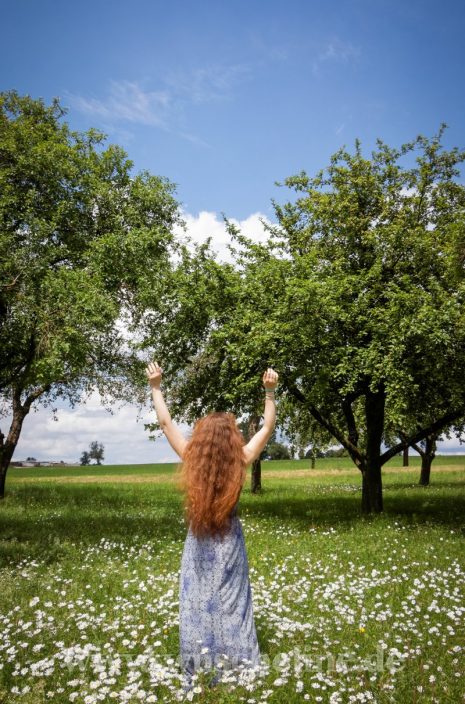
x=456 y=462
x=348 y=608
x=90 y=471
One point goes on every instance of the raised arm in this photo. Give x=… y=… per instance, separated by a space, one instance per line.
x=172 y=433
x=257 y=443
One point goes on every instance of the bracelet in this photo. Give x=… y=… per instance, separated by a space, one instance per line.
x=269 y=391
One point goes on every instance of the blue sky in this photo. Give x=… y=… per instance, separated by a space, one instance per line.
x=225 y=98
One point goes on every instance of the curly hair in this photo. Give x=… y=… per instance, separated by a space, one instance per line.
x=212 y=474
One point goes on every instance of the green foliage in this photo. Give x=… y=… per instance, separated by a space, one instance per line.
x=79 y=237
x=376 y=299
x=96 y=451
x=277 y=451
x=357 y=299
x=336 y=452
x=301 y=428
x=314 y=453
x=85 y=459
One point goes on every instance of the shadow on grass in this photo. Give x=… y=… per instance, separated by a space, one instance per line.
x=419 y=507
x=39 y=521
x=36 y=521
x=434 y=485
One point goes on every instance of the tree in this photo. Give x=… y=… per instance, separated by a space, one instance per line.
x=405 y=456
x=371 y=313
x=387 y=297
x=356 y=299
x=249 y=427
x=427 y=447
x=96 y=451
x=278 y=451
x=427 y=450
x=85 y=458
x=78 y=234
x=336 y=452
x=303 y=430
x=314 y=453
x=420 y=411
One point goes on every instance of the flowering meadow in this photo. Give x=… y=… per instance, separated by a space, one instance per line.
x=348 y=608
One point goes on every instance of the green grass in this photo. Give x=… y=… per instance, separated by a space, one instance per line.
x=91 y=471
x=89 y=578
x=343 y=463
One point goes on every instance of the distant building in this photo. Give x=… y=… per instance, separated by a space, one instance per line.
x=31 y=462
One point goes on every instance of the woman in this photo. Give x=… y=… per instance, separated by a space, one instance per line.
x=216 y=622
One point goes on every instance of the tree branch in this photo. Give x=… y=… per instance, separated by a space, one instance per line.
x=34 y=395
x=417 y=448
x=12 y=284
x=350 y=418
x=421 y=434
x=17 y=405
x=335 y=432
x=413 y=445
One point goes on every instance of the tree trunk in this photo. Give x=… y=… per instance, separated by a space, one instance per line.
x=405 y=456
x=372 y=489
x=256 y=479
x=8 y=447
x=312 y=453
x=425 y=470
x=20 y=411
x=427 y=457
x=3 y=476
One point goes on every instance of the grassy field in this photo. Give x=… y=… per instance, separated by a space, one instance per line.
x=348 y=608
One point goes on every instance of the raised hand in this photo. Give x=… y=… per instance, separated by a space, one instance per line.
x=154 y=373
x=270 y=379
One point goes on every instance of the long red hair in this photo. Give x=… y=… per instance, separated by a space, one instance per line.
x=212 y=474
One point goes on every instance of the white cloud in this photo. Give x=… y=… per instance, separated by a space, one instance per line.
x=122 y=434
x=127 y=102
x=210 y=224
x=201 y=85
x=335 y=50
x=451 y=446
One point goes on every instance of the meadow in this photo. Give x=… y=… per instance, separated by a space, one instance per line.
x=348 y=608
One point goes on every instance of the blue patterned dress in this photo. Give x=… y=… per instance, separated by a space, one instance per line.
x=215 y=604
